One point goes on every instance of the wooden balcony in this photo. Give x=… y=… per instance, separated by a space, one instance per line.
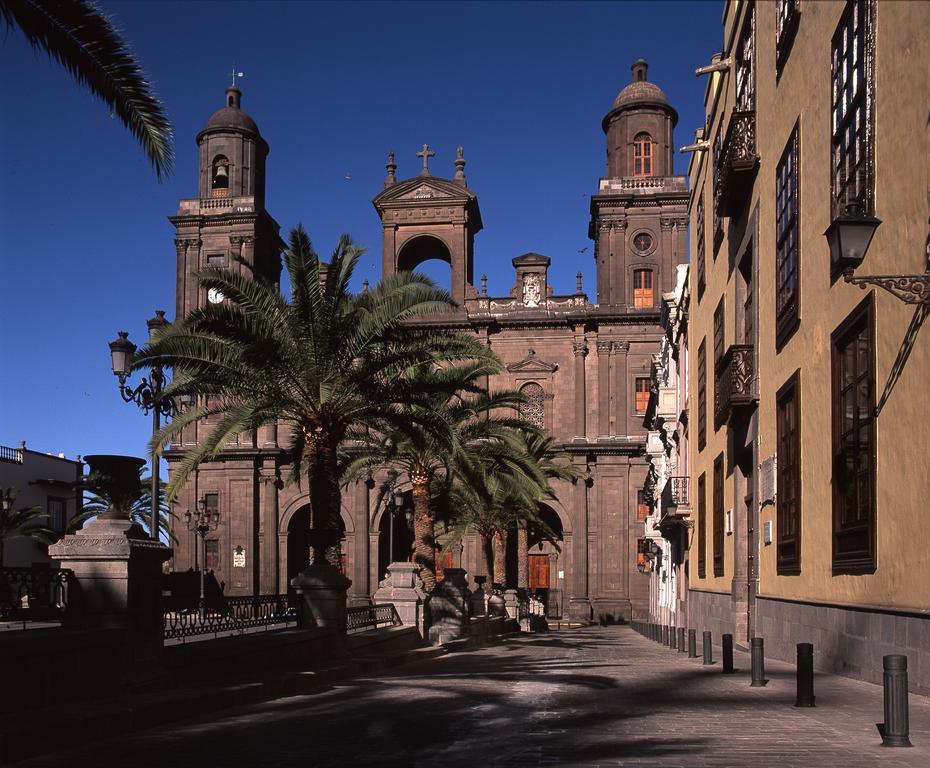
x=739 y=161
x=733 y=381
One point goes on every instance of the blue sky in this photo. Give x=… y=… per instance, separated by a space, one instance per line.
x=85 y=245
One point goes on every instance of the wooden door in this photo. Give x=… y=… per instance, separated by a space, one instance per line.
x=539 y=572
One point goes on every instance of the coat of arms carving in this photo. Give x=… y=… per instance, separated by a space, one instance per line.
x=531 y=290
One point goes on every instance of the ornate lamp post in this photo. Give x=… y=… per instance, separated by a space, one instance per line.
x=202 y=522
x=148 y=396
x=395 y=508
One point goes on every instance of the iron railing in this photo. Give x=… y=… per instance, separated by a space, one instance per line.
x=237 y=615
x=738 y=162
x=361 y=618
x=34 y=594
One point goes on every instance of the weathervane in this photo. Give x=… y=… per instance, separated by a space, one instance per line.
x=235 y=74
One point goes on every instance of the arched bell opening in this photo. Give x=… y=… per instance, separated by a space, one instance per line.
x=219 y=179
x=429 y=255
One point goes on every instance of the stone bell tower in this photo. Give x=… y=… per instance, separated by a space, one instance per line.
x=638 y=216
x=226 y=225
x=427 y=217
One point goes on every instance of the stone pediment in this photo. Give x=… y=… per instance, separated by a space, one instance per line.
x=531 y=259
x=424 y=188
x=532 y=364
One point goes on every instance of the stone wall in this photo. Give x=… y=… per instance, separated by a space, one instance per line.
x=711 y=611
x=847 y=641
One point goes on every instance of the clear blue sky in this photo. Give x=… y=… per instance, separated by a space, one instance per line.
x=85 y=245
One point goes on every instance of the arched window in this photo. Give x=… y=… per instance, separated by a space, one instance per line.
x=220 y=179
x=642 y=155
x=534 y=409
x=643 y=297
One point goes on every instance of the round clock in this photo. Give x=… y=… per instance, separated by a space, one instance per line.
x=642 y=242
x=214 y=296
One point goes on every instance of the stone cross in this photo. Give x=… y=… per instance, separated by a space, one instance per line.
x=426 y=153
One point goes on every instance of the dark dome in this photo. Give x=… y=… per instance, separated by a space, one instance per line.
x=231 y=116
x=640 y=92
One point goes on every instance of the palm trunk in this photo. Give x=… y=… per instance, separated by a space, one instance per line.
x=523 y=563
x=488 y=559
x=325 y=501
x=500 y=558
x=424 y=535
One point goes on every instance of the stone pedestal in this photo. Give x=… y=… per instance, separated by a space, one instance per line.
x=579 y=609
x=512 y=604
x=450 y=608
x=404 y=588
x=117 y=571
x=322 y=593
x=478 y=597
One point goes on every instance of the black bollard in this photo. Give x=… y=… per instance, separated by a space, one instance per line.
x=758 y=663
x=805 y=675
x=673 y=638
x=692 y=644
x=728 y=654
x=708 y=651
x=665 y=635
x=681 y=639
x=895 y=729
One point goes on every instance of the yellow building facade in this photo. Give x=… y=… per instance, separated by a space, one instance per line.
x=809 y=394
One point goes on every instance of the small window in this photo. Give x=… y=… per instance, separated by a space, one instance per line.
x=642 y=155
x=719 y=321
x=745 y=63
x=702 y=526
x=787 y=16
x=642 y=393
x=212 y=556
x=57 y=514
x=642 y=506
x=718 y=516
x=220 y=178
x=854 y=442
x=643 y=296
x=788 y=440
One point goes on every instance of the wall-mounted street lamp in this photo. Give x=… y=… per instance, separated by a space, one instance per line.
x=148 y=396
x=849 y=237
x=202 y=522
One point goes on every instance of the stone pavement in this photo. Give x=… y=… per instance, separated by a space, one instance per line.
x=597 y=696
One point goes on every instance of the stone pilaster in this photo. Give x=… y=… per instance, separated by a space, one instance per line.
x=580 y=351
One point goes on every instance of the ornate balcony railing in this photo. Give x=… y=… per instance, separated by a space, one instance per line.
x=739 y=161
x=733 y=380
x=12 y=455
x=235 y=616
x=364 y=617
x=681 y=495
x=34 y=594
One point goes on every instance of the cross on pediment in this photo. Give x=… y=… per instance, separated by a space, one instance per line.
x=426 y=153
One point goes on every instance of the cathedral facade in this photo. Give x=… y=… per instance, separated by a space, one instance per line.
x=583 y=364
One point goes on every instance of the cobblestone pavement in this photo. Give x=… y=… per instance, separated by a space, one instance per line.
x=598 y=696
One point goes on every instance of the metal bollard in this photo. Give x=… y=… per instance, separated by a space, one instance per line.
x=728 y=654
x=708 y=651
x=665 y=635
x=673 y=638
x=692 y=644
x=895 y=729
x=805 y=675
x=681 y=639
x=758 y=663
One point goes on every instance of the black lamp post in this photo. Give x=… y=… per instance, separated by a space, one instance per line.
x=395 y=507
x=201 y=522
x=148 y=396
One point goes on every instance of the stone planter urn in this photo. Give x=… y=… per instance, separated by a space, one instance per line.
x=115 y=479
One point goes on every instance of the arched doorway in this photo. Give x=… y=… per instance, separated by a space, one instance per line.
x=544 y=561
x=395 y=530
x=298 y=543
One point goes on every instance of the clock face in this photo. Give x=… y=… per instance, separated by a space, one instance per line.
x=214 y=296
x=642 y=242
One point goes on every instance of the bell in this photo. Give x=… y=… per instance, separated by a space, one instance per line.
x=221 y=172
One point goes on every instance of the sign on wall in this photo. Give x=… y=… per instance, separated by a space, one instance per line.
x=239 y=557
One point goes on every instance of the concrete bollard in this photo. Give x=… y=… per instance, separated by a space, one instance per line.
x=895 y=729
x=758 y=663
x=681 y=639
x=805 y=675
x=728 y=654
x=692 y=644
x=708 y=650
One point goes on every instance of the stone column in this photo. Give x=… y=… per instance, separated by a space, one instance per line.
x=268 y=528
x=604 y=259
x=192 y=289
x=362 y=541
x=580 y=351
x=248 y=253
x=603 y=390
x=180 y=246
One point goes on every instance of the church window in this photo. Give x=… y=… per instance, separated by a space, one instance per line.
x=852 y=130
x=642 y=393
x=534 y=409
x=643 y=297
x=642 y=155
x=642 y=506
x=220 y=182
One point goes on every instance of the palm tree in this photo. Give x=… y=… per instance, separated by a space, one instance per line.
x=139 y=512
x=84 y=41
x=469 y=424
x=327 y=364
x=25 y=522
